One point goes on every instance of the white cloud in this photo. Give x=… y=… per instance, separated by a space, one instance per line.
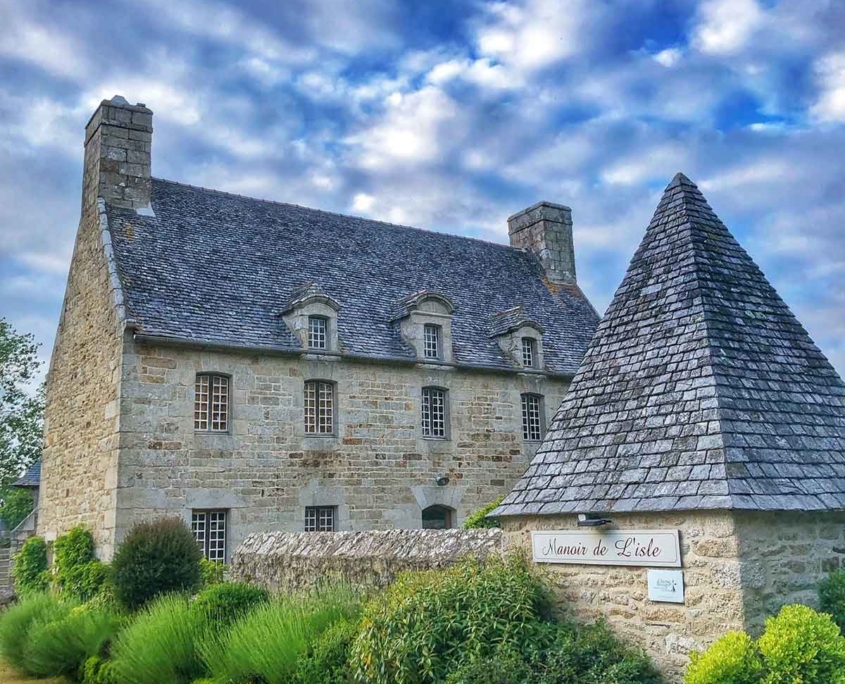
x=482 y=72
x=533 y=34
x=668 y=57
x=724 y=27
x=410 y=132
x=830 y=106
x=657 y=163
x=34 y=40
x=363 y=202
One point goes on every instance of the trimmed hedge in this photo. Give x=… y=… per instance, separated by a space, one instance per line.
x=156 y=558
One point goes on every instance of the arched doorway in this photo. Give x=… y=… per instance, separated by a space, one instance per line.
x=438 y=518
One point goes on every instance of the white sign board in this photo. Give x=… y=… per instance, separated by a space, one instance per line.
x=649 y=548
x=666 y=586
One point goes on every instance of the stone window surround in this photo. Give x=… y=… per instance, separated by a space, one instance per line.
x=511 y=344
x=447 y=432
x=206 y=541
x=432 y=335
x=334 y=408
x=318 y=333
x=523 y=398
x=429 y=309
x=210 y=408
x=297 y=319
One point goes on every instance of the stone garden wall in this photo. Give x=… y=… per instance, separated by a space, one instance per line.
x=289 y=561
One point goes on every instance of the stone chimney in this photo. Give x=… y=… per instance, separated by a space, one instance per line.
x=546 y=230
x=118 y=141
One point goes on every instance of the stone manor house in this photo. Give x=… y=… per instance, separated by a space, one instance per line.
x=256 y=366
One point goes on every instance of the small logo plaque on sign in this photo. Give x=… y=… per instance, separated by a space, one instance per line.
x=649 y=548
x=666 y=586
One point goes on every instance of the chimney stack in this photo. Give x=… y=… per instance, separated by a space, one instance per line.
x=546 y=230
x=118 y=140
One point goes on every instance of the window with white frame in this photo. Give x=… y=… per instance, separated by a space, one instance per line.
x=209 y=528
x=431 y=341
x=434 y=412
x=320 y=518
x=532 y=417
x=319 y=407
x=211 y=403
x=318 y=332
x=529 y=352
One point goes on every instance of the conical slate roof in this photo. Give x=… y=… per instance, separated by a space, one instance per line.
x=699 y=390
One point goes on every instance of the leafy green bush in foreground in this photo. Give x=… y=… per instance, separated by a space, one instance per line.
x=832 y=597
x=30 y=568
x=478 y=519
x=799 y=646
x=156 y=558
x=266 y=644
x=428 y=624
x=327 y=660
x=77 y=571
x=222 y=604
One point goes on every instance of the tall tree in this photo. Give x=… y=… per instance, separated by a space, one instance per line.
x=21 y=412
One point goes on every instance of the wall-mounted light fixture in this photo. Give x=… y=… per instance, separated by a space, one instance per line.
x=442 y=481
x=592 y=520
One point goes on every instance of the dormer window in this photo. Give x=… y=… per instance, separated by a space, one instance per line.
x=425 y=323
x=317 y=332
x=431 y=341
x=311 y=315
x=529 y=352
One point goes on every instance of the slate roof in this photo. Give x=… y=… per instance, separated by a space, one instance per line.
x=700 y=389
x=215 y=268
x=32 y=476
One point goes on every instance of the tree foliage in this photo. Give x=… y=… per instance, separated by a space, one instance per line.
x=21 y=414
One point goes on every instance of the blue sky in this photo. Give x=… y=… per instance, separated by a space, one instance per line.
x=447 y=115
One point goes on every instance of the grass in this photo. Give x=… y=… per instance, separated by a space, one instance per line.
x=266 y=643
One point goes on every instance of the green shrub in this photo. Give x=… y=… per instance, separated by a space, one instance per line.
x=212 y=572
x=479 y=520
x=832 y=597
x=96 y=670
x=30 y=568
x=327 y=659
x=733 y=659
x=17 y=505
x=267 y=643
x=160 y=645
x=76 y=570
x=21 y=618
x=592 y=654
x=801 y=645
x=61 y=646
x=428 y=624
x=156 y=558
x=501 y=669
x=222 y=604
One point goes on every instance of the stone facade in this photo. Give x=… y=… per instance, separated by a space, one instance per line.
x=290 y=562
x=168 y=281
x=738 y=567
x=378 y=471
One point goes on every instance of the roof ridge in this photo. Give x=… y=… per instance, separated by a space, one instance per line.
x=337 y=213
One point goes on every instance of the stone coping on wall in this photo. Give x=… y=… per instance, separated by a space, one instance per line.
x=298 y=560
